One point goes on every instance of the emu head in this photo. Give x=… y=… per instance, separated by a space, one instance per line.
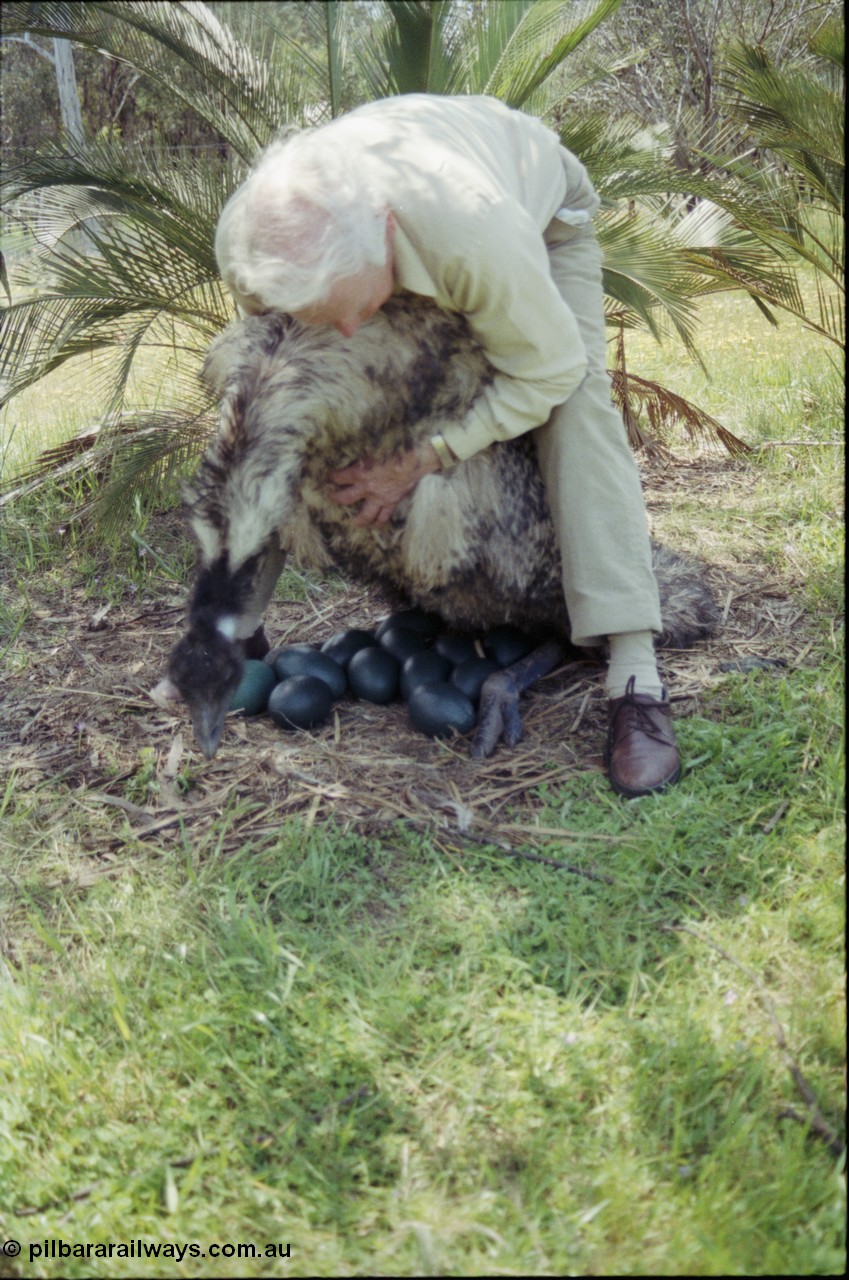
x=225 y=611
x=206 y=667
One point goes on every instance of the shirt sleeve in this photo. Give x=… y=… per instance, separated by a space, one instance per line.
x=503 y=286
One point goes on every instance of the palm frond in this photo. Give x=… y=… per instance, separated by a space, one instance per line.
x=413 y=48
x=746 y=231
x=624 y=167
x=829 y=43
x=244 y=98
x=144 y=454
x=795 y=115
x=523 y=44
x=149 y=259
x=421 y=47
x=149 y=458
x=668 y=412
x=335 y=34
x=725 y=255
x=489 y=30
x=645 y=272
x=4 y=278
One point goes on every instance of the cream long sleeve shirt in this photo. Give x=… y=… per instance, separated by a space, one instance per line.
x=473 y=185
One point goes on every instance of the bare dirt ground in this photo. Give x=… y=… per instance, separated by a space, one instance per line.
x=79 y=714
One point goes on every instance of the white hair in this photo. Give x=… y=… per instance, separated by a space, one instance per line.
x=307 y=215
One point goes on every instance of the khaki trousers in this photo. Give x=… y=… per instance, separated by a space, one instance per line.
x=589 y=472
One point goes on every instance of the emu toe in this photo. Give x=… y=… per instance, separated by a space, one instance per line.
x=498 y=717
x=499 y=705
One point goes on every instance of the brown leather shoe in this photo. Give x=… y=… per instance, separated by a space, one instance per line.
x=641 y=753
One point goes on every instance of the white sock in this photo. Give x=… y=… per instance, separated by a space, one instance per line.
x=632 y=654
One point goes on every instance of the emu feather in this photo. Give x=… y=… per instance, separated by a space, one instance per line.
x=475 y=544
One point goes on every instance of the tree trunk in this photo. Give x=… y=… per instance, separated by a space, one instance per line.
x=72 y=123
x=66 y=84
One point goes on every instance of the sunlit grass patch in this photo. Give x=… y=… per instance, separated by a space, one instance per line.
x=761 y=381
x=271 y=1061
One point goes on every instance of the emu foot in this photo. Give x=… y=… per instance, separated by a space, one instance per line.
x=499 y=714
x=499 y=705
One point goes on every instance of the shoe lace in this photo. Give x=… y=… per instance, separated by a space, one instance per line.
x=638 y=716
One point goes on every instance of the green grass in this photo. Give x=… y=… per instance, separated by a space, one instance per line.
x=407 y=1056
x=431 y=1065
x=780 y=389
x=761 y=381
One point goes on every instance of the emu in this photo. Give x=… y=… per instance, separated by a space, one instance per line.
x=474 y=545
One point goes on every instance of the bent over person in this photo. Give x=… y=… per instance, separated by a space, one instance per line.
x=479 y=207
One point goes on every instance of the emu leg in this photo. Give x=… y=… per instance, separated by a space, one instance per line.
x=499 y=705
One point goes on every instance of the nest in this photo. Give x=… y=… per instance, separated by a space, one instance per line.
x=79 y=713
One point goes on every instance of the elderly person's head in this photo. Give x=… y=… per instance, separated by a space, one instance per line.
x=307 y=233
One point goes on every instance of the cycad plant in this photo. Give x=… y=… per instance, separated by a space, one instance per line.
x=796 y=115
x=147 y=277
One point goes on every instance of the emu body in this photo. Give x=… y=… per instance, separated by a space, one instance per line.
x=475 y=544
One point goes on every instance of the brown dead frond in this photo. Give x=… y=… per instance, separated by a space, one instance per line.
x=666 y=411
x=114 y=457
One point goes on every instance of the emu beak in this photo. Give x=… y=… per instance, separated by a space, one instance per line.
x=208 y=721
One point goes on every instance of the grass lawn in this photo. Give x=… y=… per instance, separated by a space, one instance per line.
x=351 y=1003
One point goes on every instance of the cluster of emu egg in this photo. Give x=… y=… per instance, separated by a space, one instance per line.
x=438 y=673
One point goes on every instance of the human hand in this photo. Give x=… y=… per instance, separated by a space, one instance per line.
x=380 y=486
